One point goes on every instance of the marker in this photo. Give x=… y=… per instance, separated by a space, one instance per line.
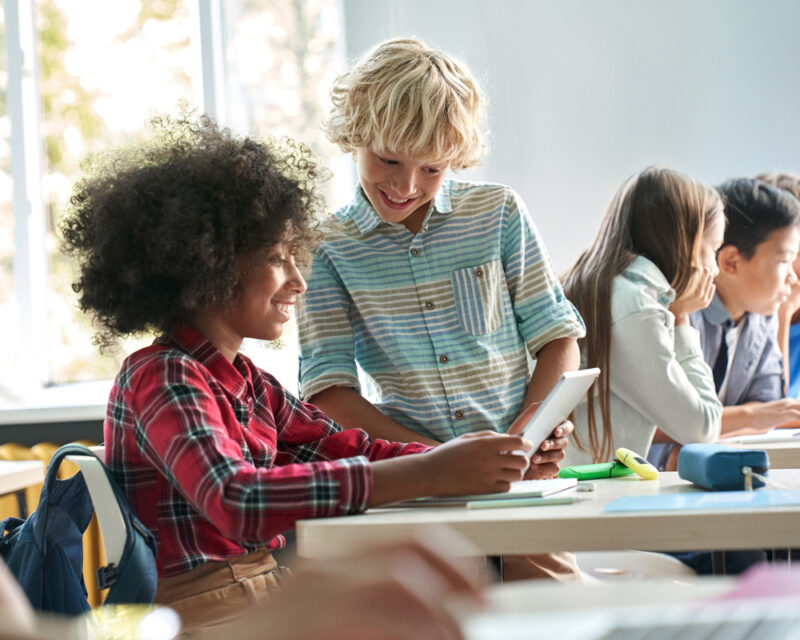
x=636 y=462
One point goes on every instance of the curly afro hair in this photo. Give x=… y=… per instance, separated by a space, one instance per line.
x=159 y=228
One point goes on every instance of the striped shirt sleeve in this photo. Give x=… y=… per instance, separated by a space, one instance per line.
x=327 y=348
x=543 y=312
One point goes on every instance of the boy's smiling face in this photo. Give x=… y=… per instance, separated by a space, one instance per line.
x=759 y=284
x=398 y=186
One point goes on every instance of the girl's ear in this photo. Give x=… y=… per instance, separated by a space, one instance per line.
x=728 y=260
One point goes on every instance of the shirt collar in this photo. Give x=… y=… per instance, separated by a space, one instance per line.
x=363 y=214
x=234 y=376
x=716 y=313
x=645 y=270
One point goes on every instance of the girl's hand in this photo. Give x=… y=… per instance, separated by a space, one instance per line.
x=792 y=303
x=698 y=295
x=480 y=462
x=545 y=463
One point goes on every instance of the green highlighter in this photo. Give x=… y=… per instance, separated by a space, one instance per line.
x=594 y=471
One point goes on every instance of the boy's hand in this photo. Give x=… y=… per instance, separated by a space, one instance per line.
x=698 y=295
x=480 y=462
x=545 y=463
x=767 y=415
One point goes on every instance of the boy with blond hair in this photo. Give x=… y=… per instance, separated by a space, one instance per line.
x=440 y=290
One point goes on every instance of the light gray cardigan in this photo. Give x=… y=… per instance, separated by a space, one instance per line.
x=658 y=376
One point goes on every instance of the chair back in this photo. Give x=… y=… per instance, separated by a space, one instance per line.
x=45 y=551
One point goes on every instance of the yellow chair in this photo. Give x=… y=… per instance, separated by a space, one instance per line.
x=9 y=507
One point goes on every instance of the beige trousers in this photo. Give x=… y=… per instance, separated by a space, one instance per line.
x=219 y=592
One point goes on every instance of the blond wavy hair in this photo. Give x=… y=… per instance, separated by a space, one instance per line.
x=406 y=97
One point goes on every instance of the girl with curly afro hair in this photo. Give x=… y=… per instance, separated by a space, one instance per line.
x=194 y=235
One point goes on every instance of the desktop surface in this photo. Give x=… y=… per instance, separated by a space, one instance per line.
x=582 y=526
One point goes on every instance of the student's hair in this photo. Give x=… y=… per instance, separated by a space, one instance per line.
x=659 y=214
x=787 y=181
x=159 y=228
x=406 y=97
x=754 y=210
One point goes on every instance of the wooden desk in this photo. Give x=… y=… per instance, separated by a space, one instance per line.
x=15 y=477
x=577 y=527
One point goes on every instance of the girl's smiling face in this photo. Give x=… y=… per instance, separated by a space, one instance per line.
x=270 y=288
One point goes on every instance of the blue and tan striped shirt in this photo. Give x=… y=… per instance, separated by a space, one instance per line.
x=439 y=321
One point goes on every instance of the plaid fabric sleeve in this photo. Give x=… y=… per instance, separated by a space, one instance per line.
x=183 y=431
x=543 y=313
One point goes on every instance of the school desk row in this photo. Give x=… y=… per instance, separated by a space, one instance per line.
x=713 y=522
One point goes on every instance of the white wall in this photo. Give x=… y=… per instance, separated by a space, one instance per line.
x=586 y=92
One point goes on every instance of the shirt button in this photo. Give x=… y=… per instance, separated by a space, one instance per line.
x=429 y=305
x=459 y=415
x=478 y=272
x=415 y=252
x=443 y=358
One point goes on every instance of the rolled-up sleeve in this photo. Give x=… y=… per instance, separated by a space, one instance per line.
x=543 y=312
x=327 y=343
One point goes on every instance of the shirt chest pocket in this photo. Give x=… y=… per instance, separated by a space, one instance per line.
x=480 y=294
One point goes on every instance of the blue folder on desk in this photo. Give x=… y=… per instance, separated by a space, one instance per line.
x=705 y=500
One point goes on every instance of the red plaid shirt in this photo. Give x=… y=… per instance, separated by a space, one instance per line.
x=217 y=458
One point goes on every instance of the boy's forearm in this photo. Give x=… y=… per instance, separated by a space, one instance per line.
x=350 y=409
x=741 y=420
x=553 y=359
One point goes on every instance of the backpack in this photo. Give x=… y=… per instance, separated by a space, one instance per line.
x=45 y=551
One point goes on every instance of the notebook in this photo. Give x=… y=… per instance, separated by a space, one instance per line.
x=518 y=490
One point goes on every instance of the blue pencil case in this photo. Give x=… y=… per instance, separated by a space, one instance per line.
x=719 y=467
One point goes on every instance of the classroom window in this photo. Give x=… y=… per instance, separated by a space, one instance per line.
x=98 y=87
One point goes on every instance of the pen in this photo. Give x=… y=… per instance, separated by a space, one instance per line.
x=521 y=502
x=636 y=462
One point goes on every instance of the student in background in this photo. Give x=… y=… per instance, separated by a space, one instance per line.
x=739 y=329
x=193 y=235
x=440 y=290
x=789 y=311
x=651 y=265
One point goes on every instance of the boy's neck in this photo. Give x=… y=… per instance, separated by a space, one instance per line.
x=733 y=307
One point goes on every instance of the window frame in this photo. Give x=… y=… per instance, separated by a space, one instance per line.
x=26 y=143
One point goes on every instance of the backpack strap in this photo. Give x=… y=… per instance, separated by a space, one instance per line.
x=129 y=544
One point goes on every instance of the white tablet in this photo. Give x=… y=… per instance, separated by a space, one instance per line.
x=559 y=403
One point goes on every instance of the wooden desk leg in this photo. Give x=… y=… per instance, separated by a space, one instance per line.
x=22 y=504
x=718 y=563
